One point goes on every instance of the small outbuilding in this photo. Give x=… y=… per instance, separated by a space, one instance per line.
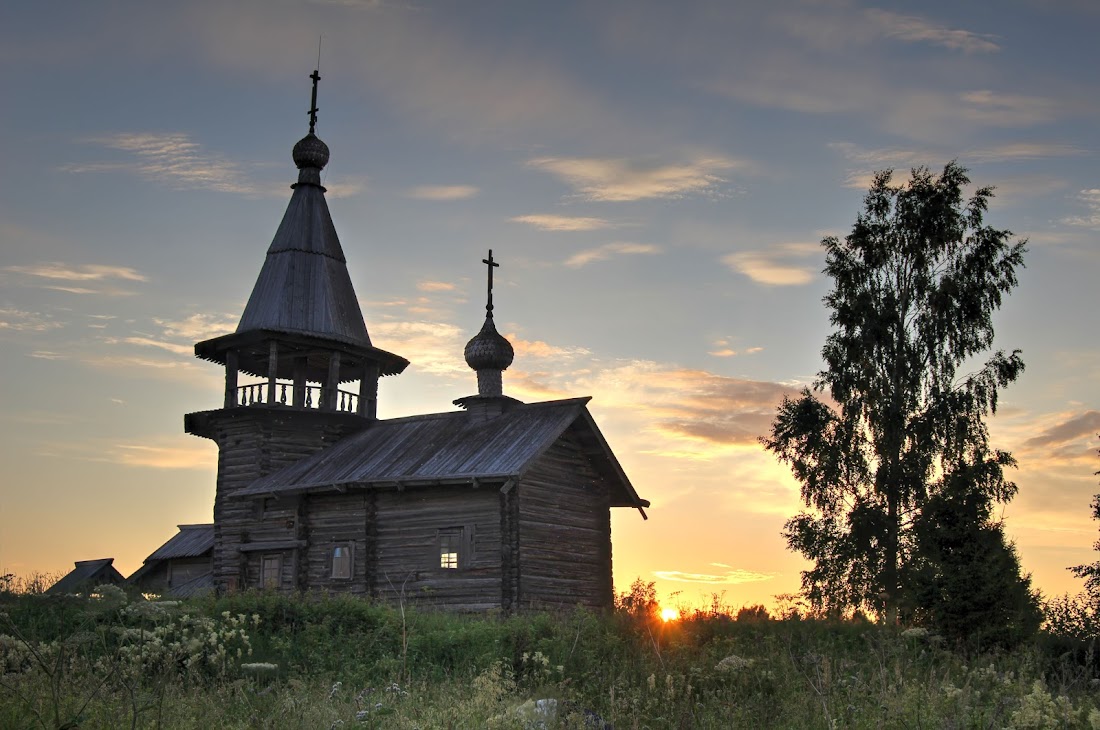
x=181 y=567
x=85 y=576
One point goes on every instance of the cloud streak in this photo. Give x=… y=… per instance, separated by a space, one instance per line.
x=443 y=192
x=913 y=29
x=779 y=265
x=609 y=250
x=1091 y=199
x=730 y=577
x=172 y=159
x=18 y=320
x=551 y=222
x=621 y=180
x=85 y=272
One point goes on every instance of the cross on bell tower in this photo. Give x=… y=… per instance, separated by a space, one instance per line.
x=313 y=104
x=492 y=265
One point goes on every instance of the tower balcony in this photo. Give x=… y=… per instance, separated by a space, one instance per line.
x=283 y=393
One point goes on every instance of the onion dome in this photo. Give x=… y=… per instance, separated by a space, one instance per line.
x=310 y=152
x=488 y=353
x=489 y=350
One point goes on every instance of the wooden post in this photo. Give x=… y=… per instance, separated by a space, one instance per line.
x=298 y=397
x=231 y=364
x=272 y=371
x=330 y=401
x=368 y=391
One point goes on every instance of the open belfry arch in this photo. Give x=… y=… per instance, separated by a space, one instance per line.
x=499 y=505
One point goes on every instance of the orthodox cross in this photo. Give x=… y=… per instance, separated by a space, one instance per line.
x=313 y=110
x=491 y=265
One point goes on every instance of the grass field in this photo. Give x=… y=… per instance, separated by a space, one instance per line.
x=269 y=661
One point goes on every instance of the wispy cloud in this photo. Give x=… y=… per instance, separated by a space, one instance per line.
x=1023 y=151
x=79 y=278
x=684 y=403
x=871 y=160
x=729 y=577
x=199 y=326
x=605 y=179
x=443 y=192
x=172 y=159
x=913 y=29
x=172 y=347
x=1070 y=432
x=1005 y=110
x=551 y=222
x=432 y=347
x=780 y=265
x=79 y=272
x=1091 y=199
x=435 y=286
x=537 y=349
x=183 y=455
x=18 y=320
x=608 y=250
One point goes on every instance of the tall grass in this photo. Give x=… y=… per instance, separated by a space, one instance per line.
x=332 y=661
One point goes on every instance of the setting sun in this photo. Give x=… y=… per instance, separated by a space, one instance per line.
x=669 y=614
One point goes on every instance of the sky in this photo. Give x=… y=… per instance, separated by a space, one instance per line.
x=654 y=179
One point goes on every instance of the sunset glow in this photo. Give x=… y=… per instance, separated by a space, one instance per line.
x=669 y=614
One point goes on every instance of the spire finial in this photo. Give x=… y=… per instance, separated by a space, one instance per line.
x=313 y=104
x=491 y=265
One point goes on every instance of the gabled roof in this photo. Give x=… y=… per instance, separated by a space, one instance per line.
x=452 y=448
x=192 y=541
x=86 y=575
x=304 y=286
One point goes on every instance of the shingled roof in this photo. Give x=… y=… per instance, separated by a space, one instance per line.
x=452 y=448
x=304 y=286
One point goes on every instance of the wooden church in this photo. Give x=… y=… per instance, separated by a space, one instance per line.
x=501 y=504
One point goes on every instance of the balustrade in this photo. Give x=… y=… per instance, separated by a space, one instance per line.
x=256 y=394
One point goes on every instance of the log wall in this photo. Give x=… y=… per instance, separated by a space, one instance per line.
x=253 y=442
x=407 y=548
x=564 y=522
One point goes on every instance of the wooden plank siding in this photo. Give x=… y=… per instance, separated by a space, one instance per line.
x=408 y=562
x=337 y=519
x=564 y=523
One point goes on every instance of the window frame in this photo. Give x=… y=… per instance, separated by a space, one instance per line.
x=350 y=547
x=452 y=541
x=266 y=584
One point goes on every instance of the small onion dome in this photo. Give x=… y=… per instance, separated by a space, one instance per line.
x=489 y=350
x=310 y=152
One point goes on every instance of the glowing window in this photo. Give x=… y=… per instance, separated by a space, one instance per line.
x=341 y=562
x=450 y=548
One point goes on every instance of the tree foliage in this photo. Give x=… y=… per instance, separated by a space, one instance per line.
x=1091 y=571
x=915 y=286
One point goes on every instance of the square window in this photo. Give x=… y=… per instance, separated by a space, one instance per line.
x=271 y=571
x=341 y=562
x=450 y=548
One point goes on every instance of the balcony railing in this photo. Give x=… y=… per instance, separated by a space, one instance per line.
x=256 y=394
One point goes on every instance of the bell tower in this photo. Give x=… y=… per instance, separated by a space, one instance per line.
x=301 y=338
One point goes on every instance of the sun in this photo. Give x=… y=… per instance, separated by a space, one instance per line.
x=669 y=614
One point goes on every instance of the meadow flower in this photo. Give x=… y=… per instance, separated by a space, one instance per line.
x=733 y=663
